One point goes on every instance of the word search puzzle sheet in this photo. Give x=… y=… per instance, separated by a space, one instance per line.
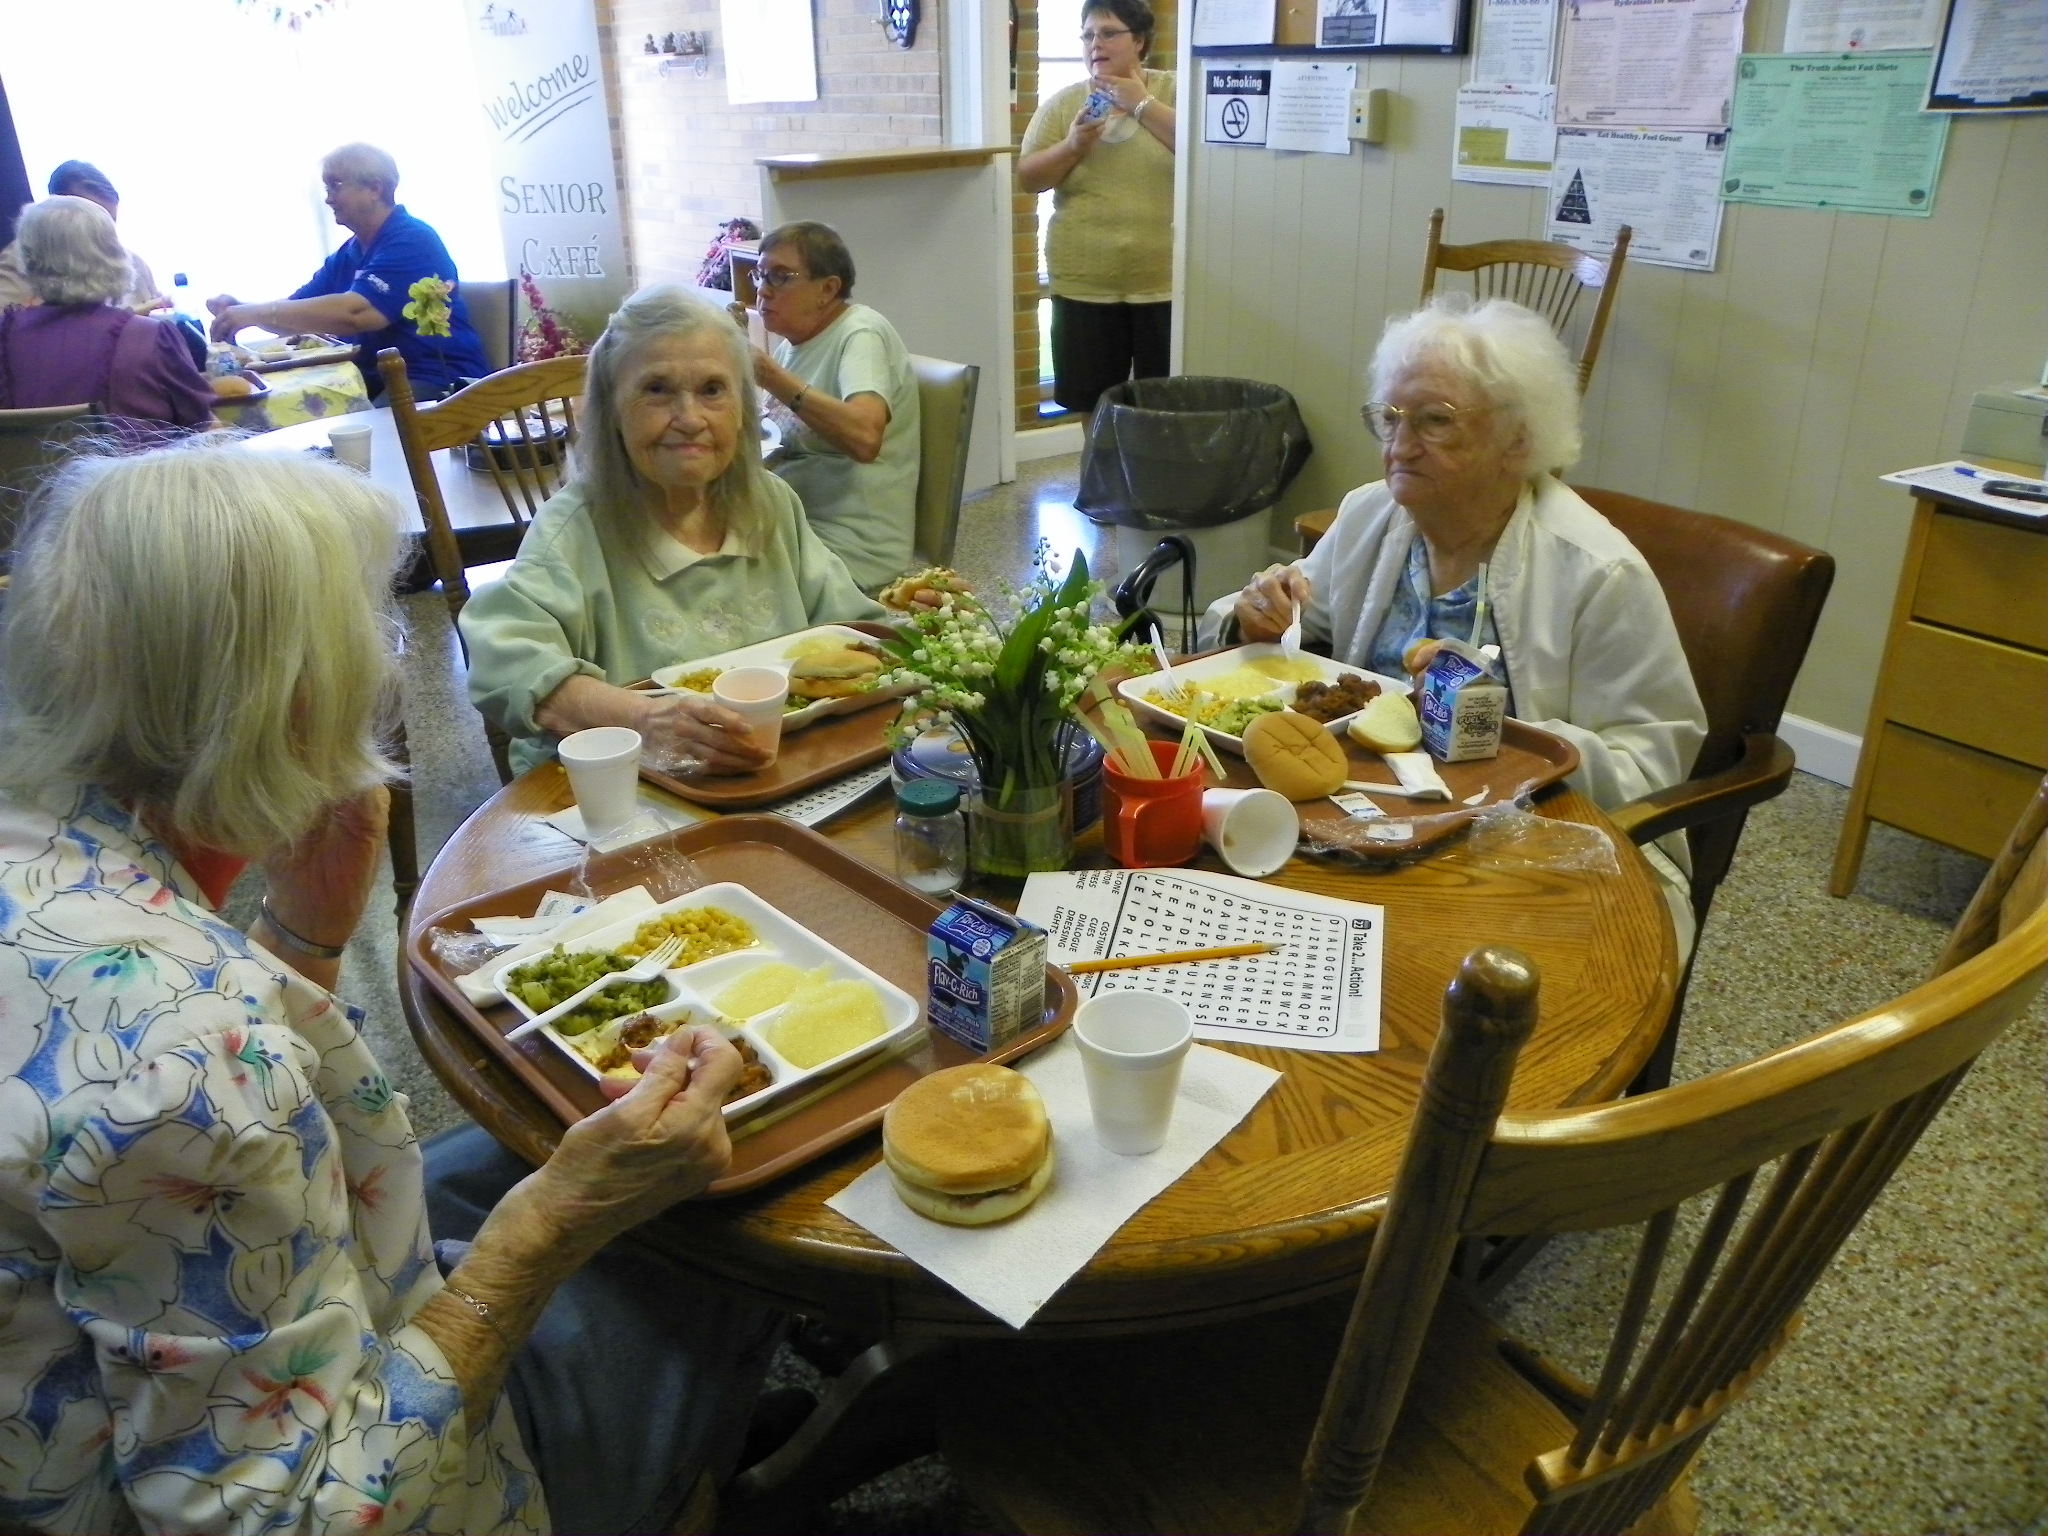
x=1321 y=992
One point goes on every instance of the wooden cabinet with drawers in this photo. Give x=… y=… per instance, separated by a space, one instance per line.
x=1958 y=732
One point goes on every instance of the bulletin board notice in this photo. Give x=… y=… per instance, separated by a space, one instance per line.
x=1841 y=132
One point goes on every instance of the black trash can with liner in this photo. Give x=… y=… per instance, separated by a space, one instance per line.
x=1184 y=468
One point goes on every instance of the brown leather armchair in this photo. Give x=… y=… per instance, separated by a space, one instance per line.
x=1746 y=602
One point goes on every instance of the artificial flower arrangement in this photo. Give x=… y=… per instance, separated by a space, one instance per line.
x=1012 y=692
x=544 y=333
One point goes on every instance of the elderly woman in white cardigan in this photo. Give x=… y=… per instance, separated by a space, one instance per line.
x=1478 y=408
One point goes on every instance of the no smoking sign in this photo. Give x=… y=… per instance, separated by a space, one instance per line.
x=1234 y=106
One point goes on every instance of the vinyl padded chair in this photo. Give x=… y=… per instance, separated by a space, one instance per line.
x=1543 y=275
x=1746 y=602
x=1433 y=1418
x=945 y=405
x=494 y=312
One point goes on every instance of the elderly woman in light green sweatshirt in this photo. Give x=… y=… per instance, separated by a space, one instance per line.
x=671 y=543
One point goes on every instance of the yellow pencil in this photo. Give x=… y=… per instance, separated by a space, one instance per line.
x=1176 y=957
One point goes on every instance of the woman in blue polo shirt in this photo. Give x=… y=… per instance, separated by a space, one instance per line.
x=361 y=290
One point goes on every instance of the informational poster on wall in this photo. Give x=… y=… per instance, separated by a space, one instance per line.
x=1993 y=57
x=1843 y=133
x=771 y=51
x=1236 y=104
x=1506 y=134
x=1386 y=23
x=1312 y=107
x=551 y=154
x=1233 y=23
x=1861 y=26
x=1515 y=38
x=1649 y=63
x=1663 y=183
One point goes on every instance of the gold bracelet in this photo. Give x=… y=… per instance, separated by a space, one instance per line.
x=483 y=1312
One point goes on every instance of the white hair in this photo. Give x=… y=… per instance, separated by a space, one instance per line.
x=1509 y=352
x=366 y=164
x=71 y=254
x=619 y=497
x=205 y=632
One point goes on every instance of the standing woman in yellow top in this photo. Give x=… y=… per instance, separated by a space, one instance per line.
x=1104 y=147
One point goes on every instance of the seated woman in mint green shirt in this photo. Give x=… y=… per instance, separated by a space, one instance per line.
x=671 y=543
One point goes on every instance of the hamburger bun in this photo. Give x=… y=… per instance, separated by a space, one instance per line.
x=1388 y=724
x=834 y=674
x=968 y=1145
x=1295 y=756
x=231 y=386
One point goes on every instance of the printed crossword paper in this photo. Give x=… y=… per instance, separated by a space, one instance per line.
x=1319 y=993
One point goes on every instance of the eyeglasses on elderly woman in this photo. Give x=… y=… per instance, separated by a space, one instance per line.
x=1434 y=424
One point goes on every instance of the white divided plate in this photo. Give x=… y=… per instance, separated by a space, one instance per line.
x=273 y=354
x=777 y=653
x=693 y=986
x=1138 y=692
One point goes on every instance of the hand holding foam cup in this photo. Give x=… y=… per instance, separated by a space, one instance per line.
x=757 y=694
x=1133 y=1045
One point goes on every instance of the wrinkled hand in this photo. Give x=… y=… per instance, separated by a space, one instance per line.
x=320 y=884
x=1265 y=606
x=698 y=726
x=661 y=1140
x=226 y=322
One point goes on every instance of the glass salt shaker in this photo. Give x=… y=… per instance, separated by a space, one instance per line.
x=931 y=837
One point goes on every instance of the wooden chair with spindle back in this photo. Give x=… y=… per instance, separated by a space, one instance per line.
x=522 y=425
x=1542 y=275
x=1434 y=1419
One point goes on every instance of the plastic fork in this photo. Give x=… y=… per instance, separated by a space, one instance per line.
x=646 y=968
x=1290 y=637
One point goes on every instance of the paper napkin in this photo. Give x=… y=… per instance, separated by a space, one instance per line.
x=1012 y=1268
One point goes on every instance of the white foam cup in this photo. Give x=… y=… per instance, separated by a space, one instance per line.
x=1252 y=830
x=604 y=772
x=351 y=444
x=759 y=694
x=1132 y=1046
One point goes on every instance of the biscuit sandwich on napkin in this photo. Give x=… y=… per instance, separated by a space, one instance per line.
x=968 y=1145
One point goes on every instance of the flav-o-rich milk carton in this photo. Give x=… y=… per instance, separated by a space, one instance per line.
x=1462 y=705
x=987 y=974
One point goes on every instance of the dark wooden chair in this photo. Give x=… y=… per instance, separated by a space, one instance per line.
x=1434 y=1419
x=1542 y=275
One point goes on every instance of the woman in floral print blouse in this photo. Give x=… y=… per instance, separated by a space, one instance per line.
x=220 y=1308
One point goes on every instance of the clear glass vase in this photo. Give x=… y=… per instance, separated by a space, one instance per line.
x=1034 y=830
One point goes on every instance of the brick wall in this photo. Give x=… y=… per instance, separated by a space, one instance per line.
x=687 y=157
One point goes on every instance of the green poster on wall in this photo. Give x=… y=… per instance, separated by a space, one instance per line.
x=1843 y=132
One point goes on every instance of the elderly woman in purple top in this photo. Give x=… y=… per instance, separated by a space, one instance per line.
x=78 y=345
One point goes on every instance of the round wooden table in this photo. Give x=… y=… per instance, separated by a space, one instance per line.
x=1282 y=1210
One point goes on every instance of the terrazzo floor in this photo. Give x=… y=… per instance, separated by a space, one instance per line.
x=1915 y=1400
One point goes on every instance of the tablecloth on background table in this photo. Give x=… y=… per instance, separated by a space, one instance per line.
x=311 y=393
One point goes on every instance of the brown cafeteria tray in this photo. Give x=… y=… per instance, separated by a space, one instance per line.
x=827 y=749
x=1529 y=760
x=842 y=900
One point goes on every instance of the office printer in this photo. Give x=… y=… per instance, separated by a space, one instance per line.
x=2009 y=423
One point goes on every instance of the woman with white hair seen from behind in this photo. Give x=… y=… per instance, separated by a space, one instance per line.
x=224 y=1309
x=670 y=543
x=1478 y=412
x=79 y=344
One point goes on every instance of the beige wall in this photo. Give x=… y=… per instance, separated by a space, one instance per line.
x=688 y=158
x=1827 y=349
